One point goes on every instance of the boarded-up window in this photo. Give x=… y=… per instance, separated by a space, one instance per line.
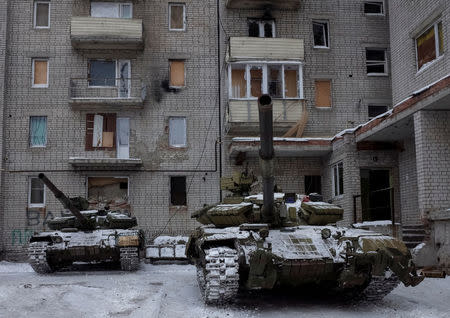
x=36 y=192
x=291 y=81
x=177 y=75
x=430 y=44
x=177 y=131
x=109 y=192
x=323 y=93
x=100 y=131
x=40 y=73
x=176 y=17
x=256 y=77
x=41 y=14
x=178 y=190
x=238 y=82
x=275 y=81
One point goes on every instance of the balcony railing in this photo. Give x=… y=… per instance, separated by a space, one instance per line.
x=106 y=93
x=106 y=33
x=262 y=4
x=248 y=48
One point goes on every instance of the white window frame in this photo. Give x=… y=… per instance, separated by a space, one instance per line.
x=261 y=23
x=35 y=13
x=383 y=8
x=33 y=85
x=372 y=62
x=46 y=131
x=340 y=192
x=184 y=145
x=120 y=5
x=434 y=25
x=117 y=75
x=177 y=4
x=35 y=205
x=265 y=87
x=327 y=38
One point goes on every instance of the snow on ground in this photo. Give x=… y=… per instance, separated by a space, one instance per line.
x=169 y=291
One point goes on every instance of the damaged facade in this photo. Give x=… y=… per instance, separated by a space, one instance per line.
x=157 y=99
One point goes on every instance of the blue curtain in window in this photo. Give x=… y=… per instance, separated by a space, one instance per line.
x=38 y=130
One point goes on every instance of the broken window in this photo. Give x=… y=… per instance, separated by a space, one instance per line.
x=111 y=10
x=338 y=178
x=42 y=14
x=376 y=62
x=40 y=73
x=375 y=110
x=323 y=93
x=38 y=131
x=238 y=81
x=291 y=81
x=261 y=28
x=177 y=74
x=109 y=192
x=313 y=184
x=374 y=7
x=100 y=131
x=430 y=45
x=321 y=36
x=102 y=73
x=178 y=190
x=36 y=193
x=275 y=81
x=177 y=16
x=256 y=79
x=177 y=131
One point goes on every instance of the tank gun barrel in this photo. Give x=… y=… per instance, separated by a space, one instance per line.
x=65 y=201
x=266 y=154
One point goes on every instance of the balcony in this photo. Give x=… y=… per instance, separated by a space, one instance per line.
x=111 y=94
x=242 y=116
x=81 y=163
x=251 y=48
x=106 y=33
x=262 y=4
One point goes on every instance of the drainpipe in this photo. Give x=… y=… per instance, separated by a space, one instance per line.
x=219 y=94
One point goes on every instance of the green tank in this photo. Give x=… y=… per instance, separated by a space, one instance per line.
x=274 y=240
x=85 y=236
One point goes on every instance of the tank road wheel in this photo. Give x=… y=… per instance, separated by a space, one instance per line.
x=37 y=253
x=219 y=279
x=129 y=258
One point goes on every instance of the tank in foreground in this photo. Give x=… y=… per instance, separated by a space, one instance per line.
x=280 y=240
x=87 y=236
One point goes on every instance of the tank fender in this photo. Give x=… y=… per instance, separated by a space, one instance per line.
x=263 y=271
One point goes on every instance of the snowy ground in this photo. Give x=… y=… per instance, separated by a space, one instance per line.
x=171 y=291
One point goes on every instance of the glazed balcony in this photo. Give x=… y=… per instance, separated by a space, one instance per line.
x=251 y=48
x=108 y=94
x=95 y=33
x=262 y=4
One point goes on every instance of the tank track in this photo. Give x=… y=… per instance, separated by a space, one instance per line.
x=37 y=254
x=219 y=279
x=379 y=287
x=129 y=258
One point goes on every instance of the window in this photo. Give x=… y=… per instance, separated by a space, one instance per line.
x=109 y=192
x=178 y=190
x=249 y=81
x=100 y=131
x=38 y=131
x=41 y=14
x=177 y=74
x=177 y=131
x=111 y=10
x=375 y=110
x=313 y=184
x=40 y=73
x=36 y=193
x=321 y=34
x=177 y=16
x=261 y=28
x=374 y=8
x=323 y=93
x=338 y=179
x=430 y=45
x=376 y=62
x=111 y=73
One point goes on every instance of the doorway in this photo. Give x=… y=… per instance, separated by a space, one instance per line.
x=376 y=194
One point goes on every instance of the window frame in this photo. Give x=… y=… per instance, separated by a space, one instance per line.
x=107 y=176
x=340 y=192
x=89 y=131
x=383 y=8
x=261 y=23
x=40 y=59
x=119 y=4
x=327 y=34
x=434 y=25
x=36 y=205
x=177 y=4
x=185 y=132
x=386 y=70
x=116 y=76
x=35 y=14
x=185 y=191
x=30 y=135
x=265 y=79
